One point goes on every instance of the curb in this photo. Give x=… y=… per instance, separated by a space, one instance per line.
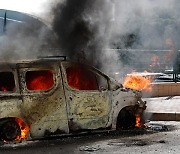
x=162 y=116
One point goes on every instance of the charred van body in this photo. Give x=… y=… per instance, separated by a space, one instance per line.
x=50 y=96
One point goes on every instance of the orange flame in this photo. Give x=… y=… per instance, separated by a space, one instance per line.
x=138 y=120
x=155 y=62
x=39 y=80
x=137 y=82
x=24 y=130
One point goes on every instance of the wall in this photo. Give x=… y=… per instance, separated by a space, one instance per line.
x=164 y=89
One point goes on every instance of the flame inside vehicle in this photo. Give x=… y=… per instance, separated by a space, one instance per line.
x=24 y=129
x=7 y=82
x=137 y=82
x=39 y=80
x=81 y=78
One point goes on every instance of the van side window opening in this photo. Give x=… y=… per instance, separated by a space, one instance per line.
x=81 y=78
x=7 y=82
x=102 y=82
x=39 y=80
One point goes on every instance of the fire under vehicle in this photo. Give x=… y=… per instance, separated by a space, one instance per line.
x=54 y=96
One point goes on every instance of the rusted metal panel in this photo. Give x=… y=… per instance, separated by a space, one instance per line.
x=88 y=110
x=10 y=107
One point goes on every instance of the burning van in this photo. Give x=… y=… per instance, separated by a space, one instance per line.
x=54 y=96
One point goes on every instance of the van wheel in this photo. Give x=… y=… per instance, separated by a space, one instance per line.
x=10 y=130
x=126 y=119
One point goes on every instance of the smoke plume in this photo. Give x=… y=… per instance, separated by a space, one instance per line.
x=86 y=29
x=83 y=28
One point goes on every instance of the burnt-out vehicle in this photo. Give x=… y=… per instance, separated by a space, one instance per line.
x=54 y=96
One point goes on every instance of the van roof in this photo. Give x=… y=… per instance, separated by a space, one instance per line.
x=36 y=60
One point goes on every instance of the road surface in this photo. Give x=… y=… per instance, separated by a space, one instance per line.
x=161 y=137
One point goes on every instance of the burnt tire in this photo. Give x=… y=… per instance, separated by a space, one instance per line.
x=126 y=119
x=10 y=130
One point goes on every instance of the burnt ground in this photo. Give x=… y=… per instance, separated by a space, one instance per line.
x=161 y=137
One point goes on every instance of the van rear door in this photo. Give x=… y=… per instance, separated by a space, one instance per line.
x=43 y=99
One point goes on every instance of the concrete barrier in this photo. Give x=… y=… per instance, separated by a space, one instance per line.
x=163 y=89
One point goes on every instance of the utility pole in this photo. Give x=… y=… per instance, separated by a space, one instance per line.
x=5 y=22
x=176 y=68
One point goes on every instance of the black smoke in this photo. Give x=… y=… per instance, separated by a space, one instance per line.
x=82 y=27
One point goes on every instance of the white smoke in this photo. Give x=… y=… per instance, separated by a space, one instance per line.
x=153 y=21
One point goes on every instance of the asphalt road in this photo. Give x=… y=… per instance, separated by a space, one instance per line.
x=162 y=137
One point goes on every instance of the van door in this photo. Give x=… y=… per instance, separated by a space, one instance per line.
x=43 y=99
x=87 y=97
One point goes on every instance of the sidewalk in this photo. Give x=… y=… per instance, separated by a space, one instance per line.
x=163 y=108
